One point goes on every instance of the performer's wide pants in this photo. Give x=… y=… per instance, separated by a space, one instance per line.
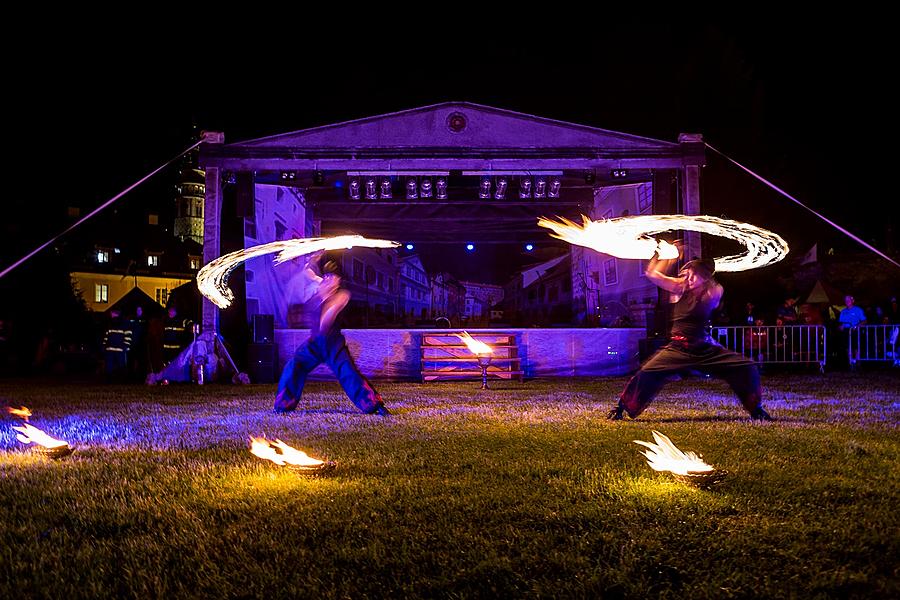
x=332 y=350
x=707 y=356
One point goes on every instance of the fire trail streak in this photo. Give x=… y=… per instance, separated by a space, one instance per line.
x=629 y=237
x=212 y=279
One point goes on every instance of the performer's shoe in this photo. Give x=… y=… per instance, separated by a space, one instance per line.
x=760 y=414
x=381 y=411
x=616 y=414
x=283 y=404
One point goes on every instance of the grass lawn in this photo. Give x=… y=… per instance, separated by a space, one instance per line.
x=521 y=491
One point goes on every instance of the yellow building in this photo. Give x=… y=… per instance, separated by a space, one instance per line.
x=102 y=290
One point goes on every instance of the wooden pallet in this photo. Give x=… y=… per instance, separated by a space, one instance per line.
x=445 y=357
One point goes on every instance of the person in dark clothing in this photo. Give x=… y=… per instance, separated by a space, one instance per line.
x=116 y=345
x=326 y=344
x=694 y=296
x=175 y=336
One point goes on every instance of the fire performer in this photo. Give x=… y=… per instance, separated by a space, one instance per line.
x=695 y=294
x=326 y=344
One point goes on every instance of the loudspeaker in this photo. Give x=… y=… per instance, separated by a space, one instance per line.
x=263 y=361
x=657 y=323
x=263 y=329
x=245 y=205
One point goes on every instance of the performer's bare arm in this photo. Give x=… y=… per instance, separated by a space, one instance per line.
x=308 y=271
x=656 y=272
x=332 y=307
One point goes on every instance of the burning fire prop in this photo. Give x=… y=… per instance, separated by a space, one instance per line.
x=212 y=279
x=687 y=467
x=281 y=454
x=23 y=412
x=629 y=237
x=480 y=350
x=46 y=445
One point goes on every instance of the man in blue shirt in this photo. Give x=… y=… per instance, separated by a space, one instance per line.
x=852 y=316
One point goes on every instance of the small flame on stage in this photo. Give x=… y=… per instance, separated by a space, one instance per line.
x=478 y=348
x=286 y=456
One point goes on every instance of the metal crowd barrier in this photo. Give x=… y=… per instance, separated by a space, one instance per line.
x=776 y=344
x=873 y=343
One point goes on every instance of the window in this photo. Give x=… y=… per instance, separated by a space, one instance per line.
x=390 y=285
x=280 y=230
x=195 y=262
x=645 y=199
x=379 y=280
x=567 y=285
x=610 y=272
x=357 y=270
x=153 y=219
x=553 y=294
x=101 y=293
x=102 y=256
x=152 y=260
x=162 y=296
x=74 y=211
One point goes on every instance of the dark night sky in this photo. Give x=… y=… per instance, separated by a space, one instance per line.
x=807 y=106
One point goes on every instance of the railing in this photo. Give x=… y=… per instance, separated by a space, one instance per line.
x=776 y=344
x=873 y=343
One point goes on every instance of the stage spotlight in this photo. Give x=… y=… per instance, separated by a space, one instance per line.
x=441 y=191
x=412 y=188
x=540 y=188
x=371 y=192
x=553 y=191
x=385 y=190
x=484 y=190
x=525 y=187
x=354 y=188
x=425 y=189
x=500 y=190
x=470 y=247
x=529 y=247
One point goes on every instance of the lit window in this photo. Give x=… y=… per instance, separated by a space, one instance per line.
x=162 y=295
x=153 y=260
x=195 y=262
x=101 y=293
x=153 y=219
x=102 y=256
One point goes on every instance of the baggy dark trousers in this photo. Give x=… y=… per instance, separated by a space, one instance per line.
x=332 y=350
x=707 y=356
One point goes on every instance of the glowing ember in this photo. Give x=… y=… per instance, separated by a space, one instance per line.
x=212 y=279
x=664 y=456
x=629 y=237
x=32 y=435
x=282 y=454
x=23 y=412
x=479 y=348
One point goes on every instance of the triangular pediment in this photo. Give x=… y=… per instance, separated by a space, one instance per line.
x=456 y=124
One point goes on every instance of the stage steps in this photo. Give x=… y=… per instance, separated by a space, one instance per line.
x=446 y=357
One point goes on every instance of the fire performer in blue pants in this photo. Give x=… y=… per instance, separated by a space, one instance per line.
x=326 y=344
x=695 y=294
